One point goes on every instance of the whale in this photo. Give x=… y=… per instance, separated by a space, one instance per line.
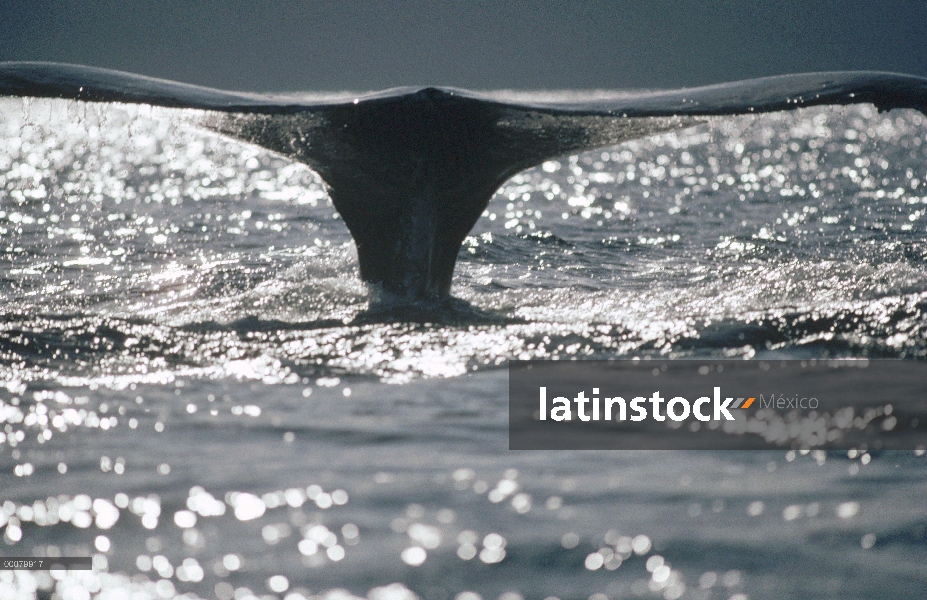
x=411 y=170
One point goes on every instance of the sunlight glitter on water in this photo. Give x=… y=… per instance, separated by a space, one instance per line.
x=192 y=395
x=171 y=252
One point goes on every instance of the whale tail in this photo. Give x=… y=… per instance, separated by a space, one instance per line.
x=411 y=173
x=411 y=170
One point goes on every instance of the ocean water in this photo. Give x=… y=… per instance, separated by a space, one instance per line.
x=194 y=394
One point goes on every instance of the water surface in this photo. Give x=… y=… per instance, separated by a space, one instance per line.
x=193 y=392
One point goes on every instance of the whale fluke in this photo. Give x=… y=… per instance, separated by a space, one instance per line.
x=411 y=173
x=411 y=170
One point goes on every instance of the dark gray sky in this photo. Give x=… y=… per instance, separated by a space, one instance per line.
x=332 y=44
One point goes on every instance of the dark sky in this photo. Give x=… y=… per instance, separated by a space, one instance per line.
x=532 y=44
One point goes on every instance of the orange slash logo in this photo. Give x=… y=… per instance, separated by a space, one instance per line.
x=742 y=404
